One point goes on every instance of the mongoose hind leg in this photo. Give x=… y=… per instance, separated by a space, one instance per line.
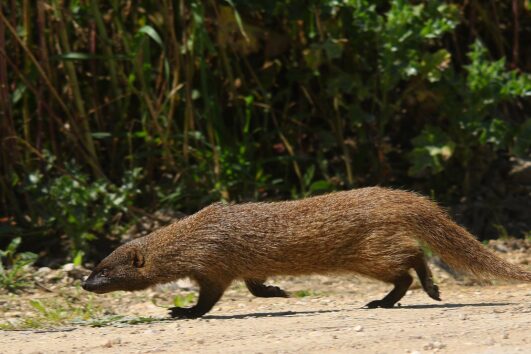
x=401 y=283
x=426 y=279
x=209 y=293
x=259 y=289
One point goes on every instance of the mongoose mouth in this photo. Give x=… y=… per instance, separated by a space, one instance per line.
x=99 y=283
x=103 y=284
x=98 y=286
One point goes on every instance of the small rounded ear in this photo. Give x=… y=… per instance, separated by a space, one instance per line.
x=136 y=258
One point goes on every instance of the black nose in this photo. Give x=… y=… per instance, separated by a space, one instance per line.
x=86 y=284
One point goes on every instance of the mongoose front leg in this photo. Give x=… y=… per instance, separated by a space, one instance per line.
x=259 y=289
x=402 y=283
x=209 y=293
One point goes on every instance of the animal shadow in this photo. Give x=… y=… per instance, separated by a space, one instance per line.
x=449 y=306
x=268 y=314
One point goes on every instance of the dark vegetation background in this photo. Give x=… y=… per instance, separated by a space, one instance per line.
x=112 y=110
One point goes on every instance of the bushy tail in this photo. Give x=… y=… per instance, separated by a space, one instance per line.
x=461 y=251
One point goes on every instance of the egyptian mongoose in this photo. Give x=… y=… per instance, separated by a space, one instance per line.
x=375 y=232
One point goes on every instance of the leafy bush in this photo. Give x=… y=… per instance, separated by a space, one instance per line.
x=76 y=207
x=475 y=123
x=13 y=267
x=244 y=100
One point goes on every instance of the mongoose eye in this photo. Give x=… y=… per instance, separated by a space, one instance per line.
x=104 y=272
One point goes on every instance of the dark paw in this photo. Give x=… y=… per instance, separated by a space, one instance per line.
x=379 y=304
x=183 y=312
x=268 y=291
x=434 y=293
x=275 y=291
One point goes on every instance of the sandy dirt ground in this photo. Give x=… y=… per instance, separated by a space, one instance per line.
x=328 y=319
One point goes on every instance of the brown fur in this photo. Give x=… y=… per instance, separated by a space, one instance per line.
x=370 y=231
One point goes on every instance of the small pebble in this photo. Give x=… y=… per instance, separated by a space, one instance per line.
x=43 y=270
x=358 y=328
x=438 y=345
x=107 y=344
x=435 y=345
x=69 y=267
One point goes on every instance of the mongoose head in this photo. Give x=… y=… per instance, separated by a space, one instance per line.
x=123 y=269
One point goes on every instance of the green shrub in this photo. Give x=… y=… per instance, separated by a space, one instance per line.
x=243 y=100
x=73 y=205
x=13 y=267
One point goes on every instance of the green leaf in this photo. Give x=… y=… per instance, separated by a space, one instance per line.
x=38 y=305
x=26 y=258
x=13 y=245
x=238 y=19
x=18 y=93
x=75 y=56
x=308 y=176
x=321 y=186
x=150 y=32
x=78 y=259
x=101 y=135
x=432 y=148
x=183 y=301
